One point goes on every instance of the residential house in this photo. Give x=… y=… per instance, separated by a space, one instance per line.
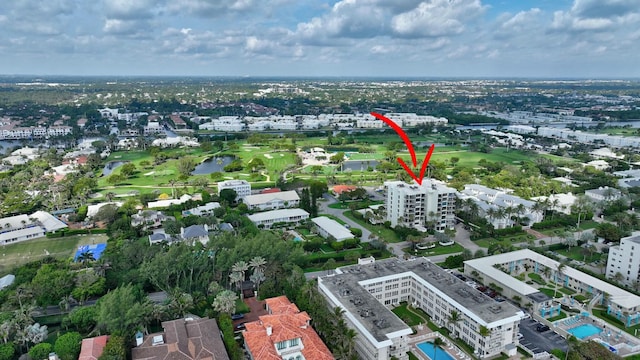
x=284 y=333
x=149 y=219
x=188 y=338
x=193 y=233
x=603 y=193
x=92 y=348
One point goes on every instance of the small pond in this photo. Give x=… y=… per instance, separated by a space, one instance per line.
x=110 y=166
x=359 y=165
x=212 y=164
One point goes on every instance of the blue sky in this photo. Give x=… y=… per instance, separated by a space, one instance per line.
x=432 y=38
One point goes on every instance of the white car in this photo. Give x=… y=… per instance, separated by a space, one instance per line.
x=520 y=336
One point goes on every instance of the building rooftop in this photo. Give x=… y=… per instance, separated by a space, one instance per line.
x=285 y=323
x=183 y=339
x=267 y=197
x=617 y=295
x=93 y=347
x=332 y=227
x=277 y=214
x=378 y=320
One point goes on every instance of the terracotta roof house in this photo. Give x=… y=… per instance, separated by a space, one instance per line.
x=183 y=339
x=92 y=347
x=339 y=189
x=285 y=333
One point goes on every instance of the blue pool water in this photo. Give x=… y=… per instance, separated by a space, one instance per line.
x=428 y=349
x=584 y=331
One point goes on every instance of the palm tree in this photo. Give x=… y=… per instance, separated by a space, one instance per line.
x=241 y=267
x=85 y=258
x=225 y=302
x=257 y=263
x=559 y=271
x=437 y=344
x=454 y=318
x=236 y=278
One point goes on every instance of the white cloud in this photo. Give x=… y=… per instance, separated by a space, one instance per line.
x=436 y=18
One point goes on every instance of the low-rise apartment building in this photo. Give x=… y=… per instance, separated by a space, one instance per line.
x=241 y=187
x=267 y=219
x=366 y=293
x=272 y=201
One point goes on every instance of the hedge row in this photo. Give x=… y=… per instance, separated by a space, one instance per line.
x=71 y=232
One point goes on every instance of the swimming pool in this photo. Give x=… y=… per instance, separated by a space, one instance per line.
x=584 y=331
x=428 y=349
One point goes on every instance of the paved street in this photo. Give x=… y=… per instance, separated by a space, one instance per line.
x=325 y=209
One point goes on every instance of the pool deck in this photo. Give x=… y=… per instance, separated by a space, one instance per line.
x=425 y=334
x=625 y=343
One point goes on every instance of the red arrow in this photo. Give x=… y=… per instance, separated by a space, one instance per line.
x=407 y=142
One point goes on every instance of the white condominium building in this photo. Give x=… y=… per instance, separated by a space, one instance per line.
x=272 y=201
x=417 y=206
x=241 y=187
x=624 y=259
x=366 y=293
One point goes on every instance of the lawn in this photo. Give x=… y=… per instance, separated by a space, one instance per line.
x=382 y=232
x=21 y=253
x=360 y=204
x=559 y=317
x=537 y=279
x=438 y=250
x=409 y=317
x=561 y=290
x=504 y=242
x=576 y=253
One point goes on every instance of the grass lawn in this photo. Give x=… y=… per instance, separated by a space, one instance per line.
x=411 y=356
x=438 y=250
x=21 y=253
x=537 y=279
x=241 y=307
x=409 y=317
x=505 y=242
x=378 y=230
x=561 y=290
x=559 y=317
x=359 y=204
x=577 y=254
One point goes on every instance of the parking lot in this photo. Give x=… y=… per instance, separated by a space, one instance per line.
x=539 y=342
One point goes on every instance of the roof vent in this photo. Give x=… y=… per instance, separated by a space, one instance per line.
x=157 y=340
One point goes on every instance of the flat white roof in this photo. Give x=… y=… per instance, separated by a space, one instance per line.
x=30 y=231
x=48 y=221
x=277 y=214
x=617 y=295
x=265 y=198
x=333 y=228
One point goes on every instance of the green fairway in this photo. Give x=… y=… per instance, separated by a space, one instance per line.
x=63 y=248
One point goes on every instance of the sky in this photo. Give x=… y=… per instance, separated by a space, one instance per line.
x=385 y=38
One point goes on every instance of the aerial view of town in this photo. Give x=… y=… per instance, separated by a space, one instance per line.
x=173 y=187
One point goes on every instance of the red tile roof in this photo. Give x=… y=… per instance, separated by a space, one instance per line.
x=270 y=190
x=92 y=347
x=339 y=189
x=285 y=322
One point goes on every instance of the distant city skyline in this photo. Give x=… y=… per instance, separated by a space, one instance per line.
x=316 y=38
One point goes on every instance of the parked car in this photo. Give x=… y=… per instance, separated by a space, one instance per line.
x=237 y=316
x=520 y=336
x=241 y=326
x=542 y=328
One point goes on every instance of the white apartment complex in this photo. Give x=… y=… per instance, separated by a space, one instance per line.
x=272 y=201
x=308 y=122
x=498 y=207
x=366 y=293
x=241 y=187
x=416 y=206
x=620 y=303
x=625 y=260
x=267 y=219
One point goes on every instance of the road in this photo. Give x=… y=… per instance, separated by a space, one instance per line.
x=325 y=209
